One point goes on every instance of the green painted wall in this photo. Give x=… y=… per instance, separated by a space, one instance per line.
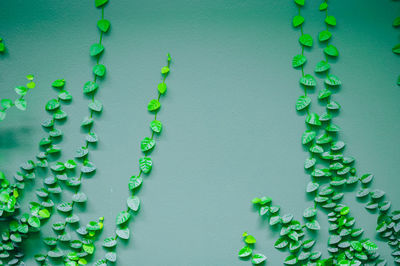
x=231 y=130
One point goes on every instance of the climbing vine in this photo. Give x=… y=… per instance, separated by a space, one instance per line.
x=145 y=165
x=85 y=247
x=18 y=228
x=20 y=103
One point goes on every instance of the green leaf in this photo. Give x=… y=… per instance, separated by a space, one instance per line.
x=370 y=246
x=332 y=128
x=281 y=243
x=297 y=21
x=334 y=239
x=95 y=105
x=59 y=115
x=313 y=119
x=79 y=197
x=310 y=162
x=133 y=203
x=396 y=49
x=245 y=252
x=34 y=221
x=298 y=60
x=309 y=212
x=302 y=102
x=162 y=87
x=96 y=49
x=330 y=20
x=64 y=95
x=145 y=164
x=290 y=260
x=156 y=126
x=332 y=80
x=88 y=248
x=396 y=22
x=123 y=233
x=55 y=253
x=308 y=80
x=52 y=105
x=324 y=93
x=103 y=25
x=6 y=103
x=324 y=35
x=322 y=66
x=258 y=259
x=323 y=6
x=134 y=182
x=249 y=239
x=122 y=217
x=311 y=187
x=59 y=83
x=111 y=256
x=299 y=2
x=20 y=104
x=90 y=86
x=99 y=70
x=313 y=225
x=153 y=105
x=165 y=70
x=21 y=90
x=356 y=245
x=147 y=144
x=367 y=178
x=109 y=242
x=333 y=105
x=308 y=136
x=331 y=51
x=306 y=40
x=100 y=3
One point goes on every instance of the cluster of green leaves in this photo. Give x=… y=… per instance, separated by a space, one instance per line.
x=388 y=222
x=20 y=102
x=145 y=165
x=19 y=227
x=247 y=251
x=321 y=138
x=65 y=171
x=396 y=48
x=292 y=233
x=345 y=243
x=80 y=249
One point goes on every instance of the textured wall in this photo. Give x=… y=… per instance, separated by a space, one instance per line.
x=231 y=130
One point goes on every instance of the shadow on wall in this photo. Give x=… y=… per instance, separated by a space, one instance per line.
x=11 y=137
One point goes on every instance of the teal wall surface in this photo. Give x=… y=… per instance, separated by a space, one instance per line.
x=231 y=130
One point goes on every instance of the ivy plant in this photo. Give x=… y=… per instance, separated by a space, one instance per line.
x=20 y=103
x=62 y=170
x=19 y=227
x=147 y=145
x=247 y=251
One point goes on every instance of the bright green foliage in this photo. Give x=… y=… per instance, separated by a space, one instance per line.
x=135 y=182
x=96 y=49
x=20 y=103
x=297 y=21
x=103 y=25
x=299 y=60
x=324 y=36
x=306 y=40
